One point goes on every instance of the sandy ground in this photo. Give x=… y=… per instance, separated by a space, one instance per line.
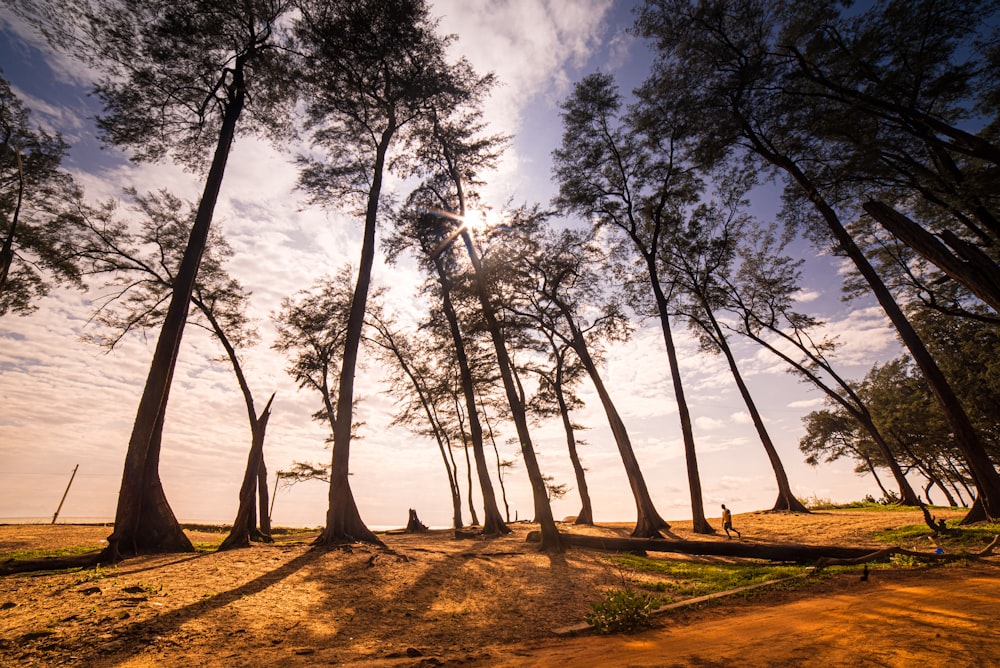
x=433 y=600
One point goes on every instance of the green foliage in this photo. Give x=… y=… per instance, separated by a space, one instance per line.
x=956 y=537
x=622 y=610
x=868 y=503
x=41 y=554
x=687 y=578
x=905 y=561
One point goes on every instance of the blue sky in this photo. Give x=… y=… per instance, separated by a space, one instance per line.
x=63 y=402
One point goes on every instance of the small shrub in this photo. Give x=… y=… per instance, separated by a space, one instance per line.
x=905 y=560
x=621 y=611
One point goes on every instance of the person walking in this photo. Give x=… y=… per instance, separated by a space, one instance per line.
x=727 y=523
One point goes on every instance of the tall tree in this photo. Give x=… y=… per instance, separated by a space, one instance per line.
x=565 y=298
x=39 y=210
x=761 y=295
x=622 y=177
x=718 y=65
x=371 y=69
x=414 y=387
x=699 y=253
x=143 y=262
x=177 y=77
x=556 y=396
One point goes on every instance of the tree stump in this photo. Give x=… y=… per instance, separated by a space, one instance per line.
x=414 y=525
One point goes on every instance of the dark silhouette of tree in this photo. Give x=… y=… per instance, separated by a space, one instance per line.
x=719 y=66
x=832 y=434
x=414 y=388
x=904 y=95
x=555 y=396
x=143 y=263
x=371 y=70
x=176 y=78
x=699 y=253
x=452 y=150
x=39 y=206
x=626 y=178
x=564 y=296
x=761 y=296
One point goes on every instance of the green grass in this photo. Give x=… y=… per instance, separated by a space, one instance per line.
x=686 y=579
x=957 y=537
x=57 y=552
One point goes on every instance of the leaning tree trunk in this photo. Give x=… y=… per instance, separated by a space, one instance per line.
x=786 y=500
x=263 y=501
x=699 y=521
x=143 y=516
x=984 y=474
x=857 y=410
x=244 y=527
x=493 y=524
x=468 y=464
x=648 y=521
x=550 y=540
x=586 y=514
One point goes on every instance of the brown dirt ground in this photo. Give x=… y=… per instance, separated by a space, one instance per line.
x=433 y=600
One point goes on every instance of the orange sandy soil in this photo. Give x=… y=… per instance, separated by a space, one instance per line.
x=432 y=600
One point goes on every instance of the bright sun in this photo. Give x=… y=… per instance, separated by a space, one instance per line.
x=480 y=219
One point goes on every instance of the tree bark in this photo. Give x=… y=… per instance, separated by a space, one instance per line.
x=550 y=541
x=244 y=528
x=586 y=514
x=648 y=521
x=974 y=269
x=343 y=520
x=493 y=524
x=768 y=551
x=699 y=521
x=143 y=517
x=786 y=500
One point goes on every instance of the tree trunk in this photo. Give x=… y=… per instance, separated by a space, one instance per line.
x=983 y=472
x=878 y=481
x=648 y=521
x=468 y=464
x=493 y=524
x=244 y=528
x=343 y=520
x=699 y=521
x=143 y=517
x=976 y=271
x=716 y=548
x=265 y=516
x=786 y=500
x=586 y=514
x=857 y=410
x=543 y=511
x=496 y=453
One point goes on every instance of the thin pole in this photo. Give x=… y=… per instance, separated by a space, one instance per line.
x=73 y=475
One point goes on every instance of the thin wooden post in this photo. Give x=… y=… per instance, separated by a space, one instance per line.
x=73 y=475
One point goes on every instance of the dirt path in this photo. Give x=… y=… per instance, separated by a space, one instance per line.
x=893 y=619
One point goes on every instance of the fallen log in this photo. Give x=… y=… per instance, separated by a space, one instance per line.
x=930 y=556
x=767 y=551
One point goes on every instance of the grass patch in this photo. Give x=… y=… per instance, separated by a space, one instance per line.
x=686 y=579
x=55 y=552
x=957 y=536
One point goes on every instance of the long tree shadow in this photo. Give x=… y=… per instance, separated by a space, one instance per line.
x=437 y=605
x=171 y=621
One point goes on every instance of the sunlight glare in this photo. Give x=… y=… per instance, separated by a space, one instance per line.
x=481 y=219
